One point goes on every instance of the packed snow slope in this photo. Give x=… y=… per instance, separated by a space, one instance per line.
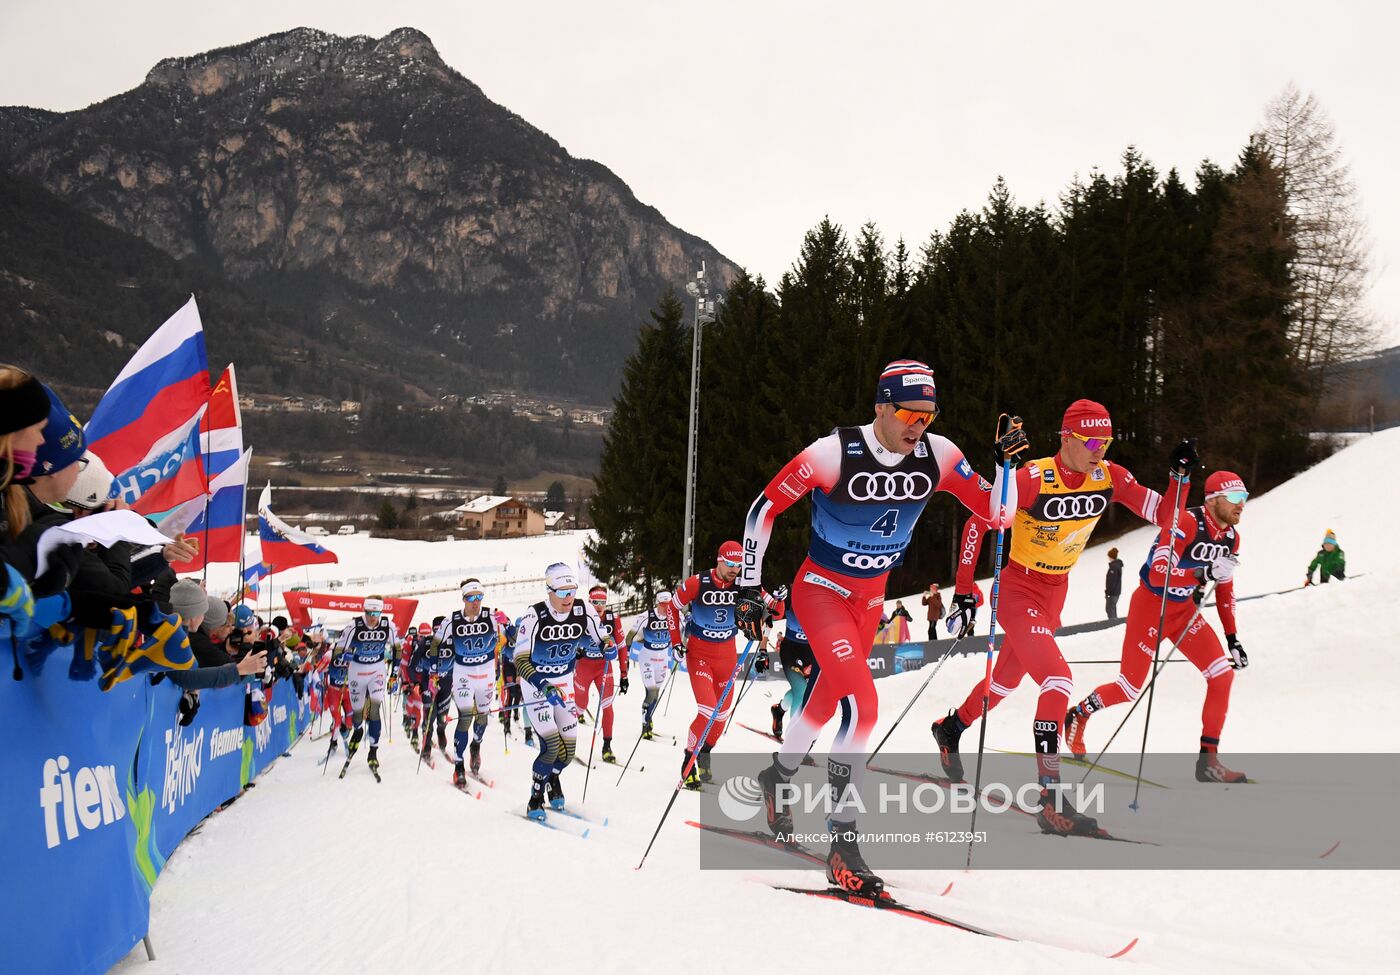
x=412 y=875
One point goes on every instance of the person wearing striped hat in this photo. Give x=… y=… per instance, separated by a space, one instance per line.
x=1206 y=549
x=869 y=485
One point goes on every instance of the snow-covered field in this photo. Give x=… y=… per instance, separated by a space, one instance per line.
x=412 y=875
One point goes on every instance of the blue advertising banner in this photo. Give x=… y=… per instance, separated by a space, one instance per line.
x=72 y=900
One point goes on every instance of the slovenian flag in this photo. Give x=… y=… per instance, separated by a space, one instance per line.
x=215 y=519
x=284 y=547
x=147 y=424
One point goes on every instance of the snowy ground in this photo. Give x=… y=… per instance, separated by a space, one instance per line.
x=413 y=875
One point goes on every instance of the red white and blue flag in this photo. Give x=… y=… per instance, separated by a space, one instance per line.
x=215 y=519
x=147 y=424
x=251 y=577
x=221 y=430
x=284 y=547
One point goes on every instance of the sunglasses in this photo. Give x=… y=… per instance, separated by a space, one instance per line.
x=563 y=593
x=1235 y=497
x=1091 y=444
x=475 y=597
x=911 y=417
x=732 y=565
x=597 y=599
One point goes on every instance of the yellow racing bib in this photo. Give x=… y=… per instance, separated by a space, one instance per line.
x=1050 y=535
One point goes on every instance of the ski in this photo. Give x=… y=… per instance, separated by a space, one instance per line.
x=1082 y=763
x=579 y=816
x=885 y=902
x=346 y=767
x=374 y=771
x=763 y=839
x=558 y=829
x=806 y=759
x=1100 y=834
x=489 y=783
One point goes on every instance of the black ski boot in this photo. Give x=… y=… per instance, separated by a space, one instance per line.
x=947 y=732
x=535 y=808
x=703 y=764
x=691 y=771
x=529 y=736
x=845 y=867
x=427 y=750
x=608 y=754
x=646 y=730
x=777 y=710
x=556 y=792
x=372 y=759
x=475 y=749
x=353 y=744
x=779 y=818
x=1209 y=769
x=442 y=738
x=1058 y=816
x=459 y=775
x=413 y=739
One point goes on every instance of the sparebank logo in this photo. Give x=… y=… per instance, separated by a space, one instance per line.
x=740 y=798
x=183 y=760
x=89 y=797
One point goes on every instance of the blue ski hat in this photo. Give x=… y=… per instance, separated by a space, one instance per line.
x=906 y=380
x=63 y=444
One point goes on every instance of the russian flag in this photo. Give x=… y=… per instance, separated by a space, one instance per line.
x=284 y=547
x=144 y=425
x=251 y=577
x=216 y=519
x=221 y=430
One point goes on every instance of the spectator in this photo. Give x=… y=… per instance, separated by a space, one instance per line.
x=933 y=599
x=899 y=610
x=1330 y=561
x=1113 y=584
x=215 y=668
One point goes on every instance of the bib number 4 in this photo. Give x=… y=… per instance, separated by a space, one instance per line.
x=887 y=524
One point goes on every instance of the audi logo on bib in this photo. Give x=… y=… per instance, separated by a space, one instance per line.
x=559 y=632
x=863 y=561
x=474 y=628
x=372 y=636
x=1068 y=506
x=889 y=486
x=717 y=597
x=1209 y=551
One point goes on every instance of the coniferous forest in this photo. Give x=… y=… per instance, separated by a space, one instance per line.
x=1169 y=301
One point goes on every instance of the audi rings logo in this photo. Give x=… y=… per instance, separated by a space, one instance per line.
x=559 y=632
x=1074 y=506
x=472 y=628
x=862 y=561
x=1209 y=551
x=890 y=486
x=717 y=597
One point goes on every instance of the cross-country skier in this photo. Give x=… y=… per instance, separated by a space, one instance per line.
x=660 y=637
x=1059 y=501
x=335 y=663
x=1330 y=562
x=795 y=656
x=472 y=637
x=595 y=667
x=869 y=485
x=1205 y=550
x=432 y=668
x=370 y=640
x=707 y=644
x=511 y=696
x=550 y=637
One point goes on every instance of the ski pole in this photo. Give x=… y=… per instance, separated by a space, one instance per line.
x=598 y=720
x=1162 y=666
x=429 y=707
x=1169 y=557
x=638 y=743
x=724 y=695
x=675 y=666
x=907 y=707
x=991 y=648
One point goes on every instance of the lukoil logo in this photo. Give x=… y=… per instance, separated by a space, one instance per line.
x=183 y=760
x=89 y=796
x=740 y=798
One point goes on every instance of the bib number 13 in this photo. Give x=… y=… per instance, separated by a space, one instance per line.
x=888 y=523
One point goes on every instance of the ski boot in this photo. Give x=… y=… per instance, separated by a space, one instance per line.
x=442 y=738
x=779 y=818
x=691 y=771
x=475 y=749
x=702 y=763
x=1209 y=769
x=459 y=775
x=1075 y=720
x=535 y=808
x=413 y=739
x=845 y=867
x=646 y=731
x=334 y=741
x=353 y=744
x=1057 y=816
x=947 y=732
x=529 y=736
x=426 y=752
x=777 y=710
x=608 y=754
x=372 y=759
x=556 y=792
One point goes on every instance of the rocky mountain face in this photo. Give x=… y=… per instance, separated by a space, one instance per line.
x=381 y=200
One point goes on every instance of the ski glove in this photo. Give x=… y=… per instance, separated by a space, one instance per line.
x=749 y=611
x=1011 y=439
x=622 y=686
x=963 y=615
x=1221 y=569
x=552 y=695
x=1184 y=459
x=1238 y=658
x=761 y=662
x=59 y=573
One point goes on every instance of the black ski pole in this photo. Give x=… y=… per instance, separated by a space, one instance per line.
x=724 y=695
x=1169 y=557
x=638 y=743
x=930 y=677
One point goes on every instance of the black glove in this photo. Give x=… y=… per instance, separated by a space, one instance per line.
x=761 y=662
x=749 y=611
x=1184 y=459
x=679 y=651
x=189 y=707
x=622 y=686
x=1238 y=658
x=63 y=566
x=1198 y=595
x=963 y=615
x=1011 y=439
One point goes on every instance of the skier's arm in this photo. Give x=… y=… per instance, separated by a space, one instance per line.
x=956 y=476
x=622 y=661
x=524 y=643
x=817 y=466
x=1022 y=493
x=1144 y=501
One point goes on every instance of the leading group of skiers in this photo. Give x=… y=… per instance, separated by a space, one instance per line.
x=869 y=485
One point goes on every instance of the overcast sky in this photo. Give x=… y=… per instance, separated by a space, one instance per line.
x=746 y=122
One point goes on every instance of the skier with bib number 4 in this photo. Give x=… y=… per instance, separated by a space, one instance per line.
x=1059 y=501
x=1206 y=549
x=869 y=485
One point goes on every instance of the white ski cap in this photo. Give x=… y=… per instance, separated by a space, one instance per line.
x=472 y=588
x=663 y=597
x=93 y=486
x=374 y=605
x=560 y=576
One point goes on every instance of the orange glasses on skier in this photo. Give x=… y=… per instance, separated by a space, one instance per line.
x=1091 y=444
x=911 y=417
